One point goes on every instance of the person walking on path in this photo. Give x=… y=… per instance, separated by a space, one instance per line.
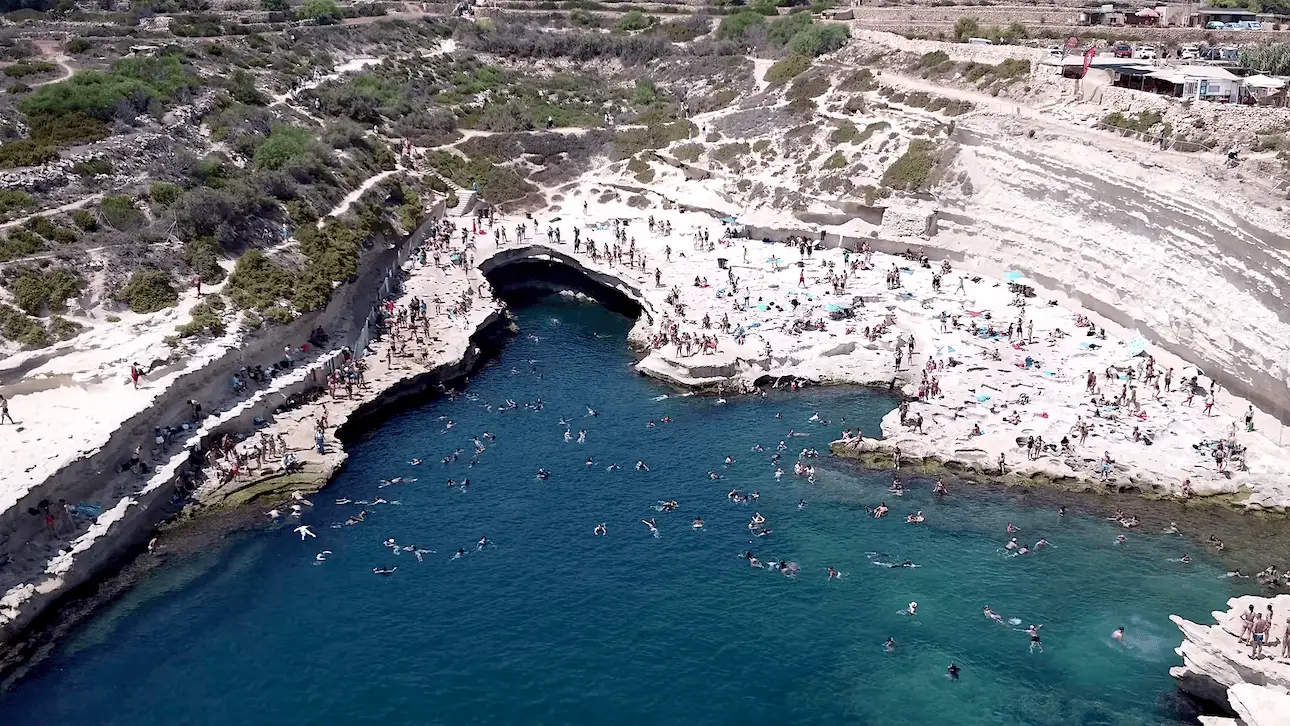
x=4 y=411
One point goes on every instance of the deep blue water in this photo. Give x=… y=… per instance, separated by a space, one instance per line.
x=552 y=625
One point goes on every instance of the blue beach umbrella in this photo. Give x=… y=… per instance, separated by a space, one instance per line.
x=833 y=308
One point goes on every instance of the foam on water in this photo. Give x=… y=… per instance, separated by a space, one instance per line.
x=551 y=624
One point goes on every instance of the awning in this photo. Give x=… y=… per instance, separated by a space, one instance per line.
x=1262 y=81
x=1147 y=13
x=1168 y=76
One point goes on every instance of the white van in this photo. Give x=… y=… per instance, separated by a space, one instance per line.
x=979 y=41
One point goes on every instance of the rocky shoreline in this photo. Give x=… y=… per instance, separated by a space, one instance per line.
x=1218 y=668
x=462 y=343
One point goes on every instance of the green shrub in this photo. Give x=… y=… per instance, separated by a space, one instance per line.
x=284 y=145
x=323 y=12
x=25 y=152
x=846 y=132
x=913 y=170
x=837 y=161
x=760 y=145
x=118 y=212
x=966 y=28
x=148 y=291
x=76 y=109
x=35 y=290
x=258 y=282
x=809 y=86
x=20 y=243
x=41 y=225
x=642 y=169
x=688 y=152
x=93 y=166
x=859 y=82
x=933 y=59
x=635 y=20
x=205 y=321
x=1140 y=122
x=819 y=40
x=14 y=199
x=64 y=235
x=870 y=130
x=60 y=328
x=735 y=27
x=787 y=69
x=84 y=220
x=16 y=326
x=727 y=153
x=579 y=16
x=164 y=193
x=24 y=68
x=251 y=320
x=14 y=89
x=202 y=256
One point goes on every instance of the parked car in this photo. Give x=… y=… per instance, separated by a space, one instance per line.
x=1189 y=52
x=1145 y=52
x=1056 y=52
x=980 y=41
x=1123 y=50
x=1214 y=25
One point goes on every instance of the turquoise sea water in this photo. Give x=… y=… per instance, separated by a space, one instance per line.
x=553 y=625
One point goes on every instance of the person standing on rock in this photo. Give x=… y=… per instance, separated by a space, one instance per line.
x=1247 y=624
x=4 y=411
x=1259 y=634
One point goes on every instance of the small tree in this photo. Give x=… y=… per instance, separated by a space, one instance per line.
x=967 y=28
x=275 y=5
x=323 y=12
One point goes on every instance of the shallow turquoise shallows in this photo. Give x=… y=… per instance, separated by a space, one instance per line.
x=552 y=625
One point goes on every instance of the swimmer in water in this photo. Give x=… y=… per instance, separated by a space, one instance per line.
x=483 y=542
x=1061 y=511
x=1042 y=543
x=880 y=511
x=591 y=411
x=1185 y=559
x=698 y=523
x=996 y=617
x=611 y=467
x=890 y=645
x=834 y=574
x=461 y=552
x=1118 y=635
x=600 y=529
x=911 y=610
x=384 y=570
x=1171 y=529
x=801 y=504
x=940 y=489
x=640 y=466
x=590 y=463
x=1012 y=544
x=543 y=474
x=915 y=518
x=1033 y=632
x=1121 y=539
x=730 y=460
x=652 y=528
x=1012 y=528
x=778 y=473
x=952 y=672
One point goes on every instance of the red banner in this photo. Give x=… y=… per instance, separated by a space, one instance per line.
x=1088 y=59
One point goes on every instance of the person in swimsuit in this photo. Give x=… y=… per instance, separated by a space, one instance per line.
x=890 y=645
x=1033 y=632
x=1259 y=635
x=600 y=529
x=1118 y=635
x=952 y=672
x=996 y=617
x=833 y=574
x=1247 y=623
